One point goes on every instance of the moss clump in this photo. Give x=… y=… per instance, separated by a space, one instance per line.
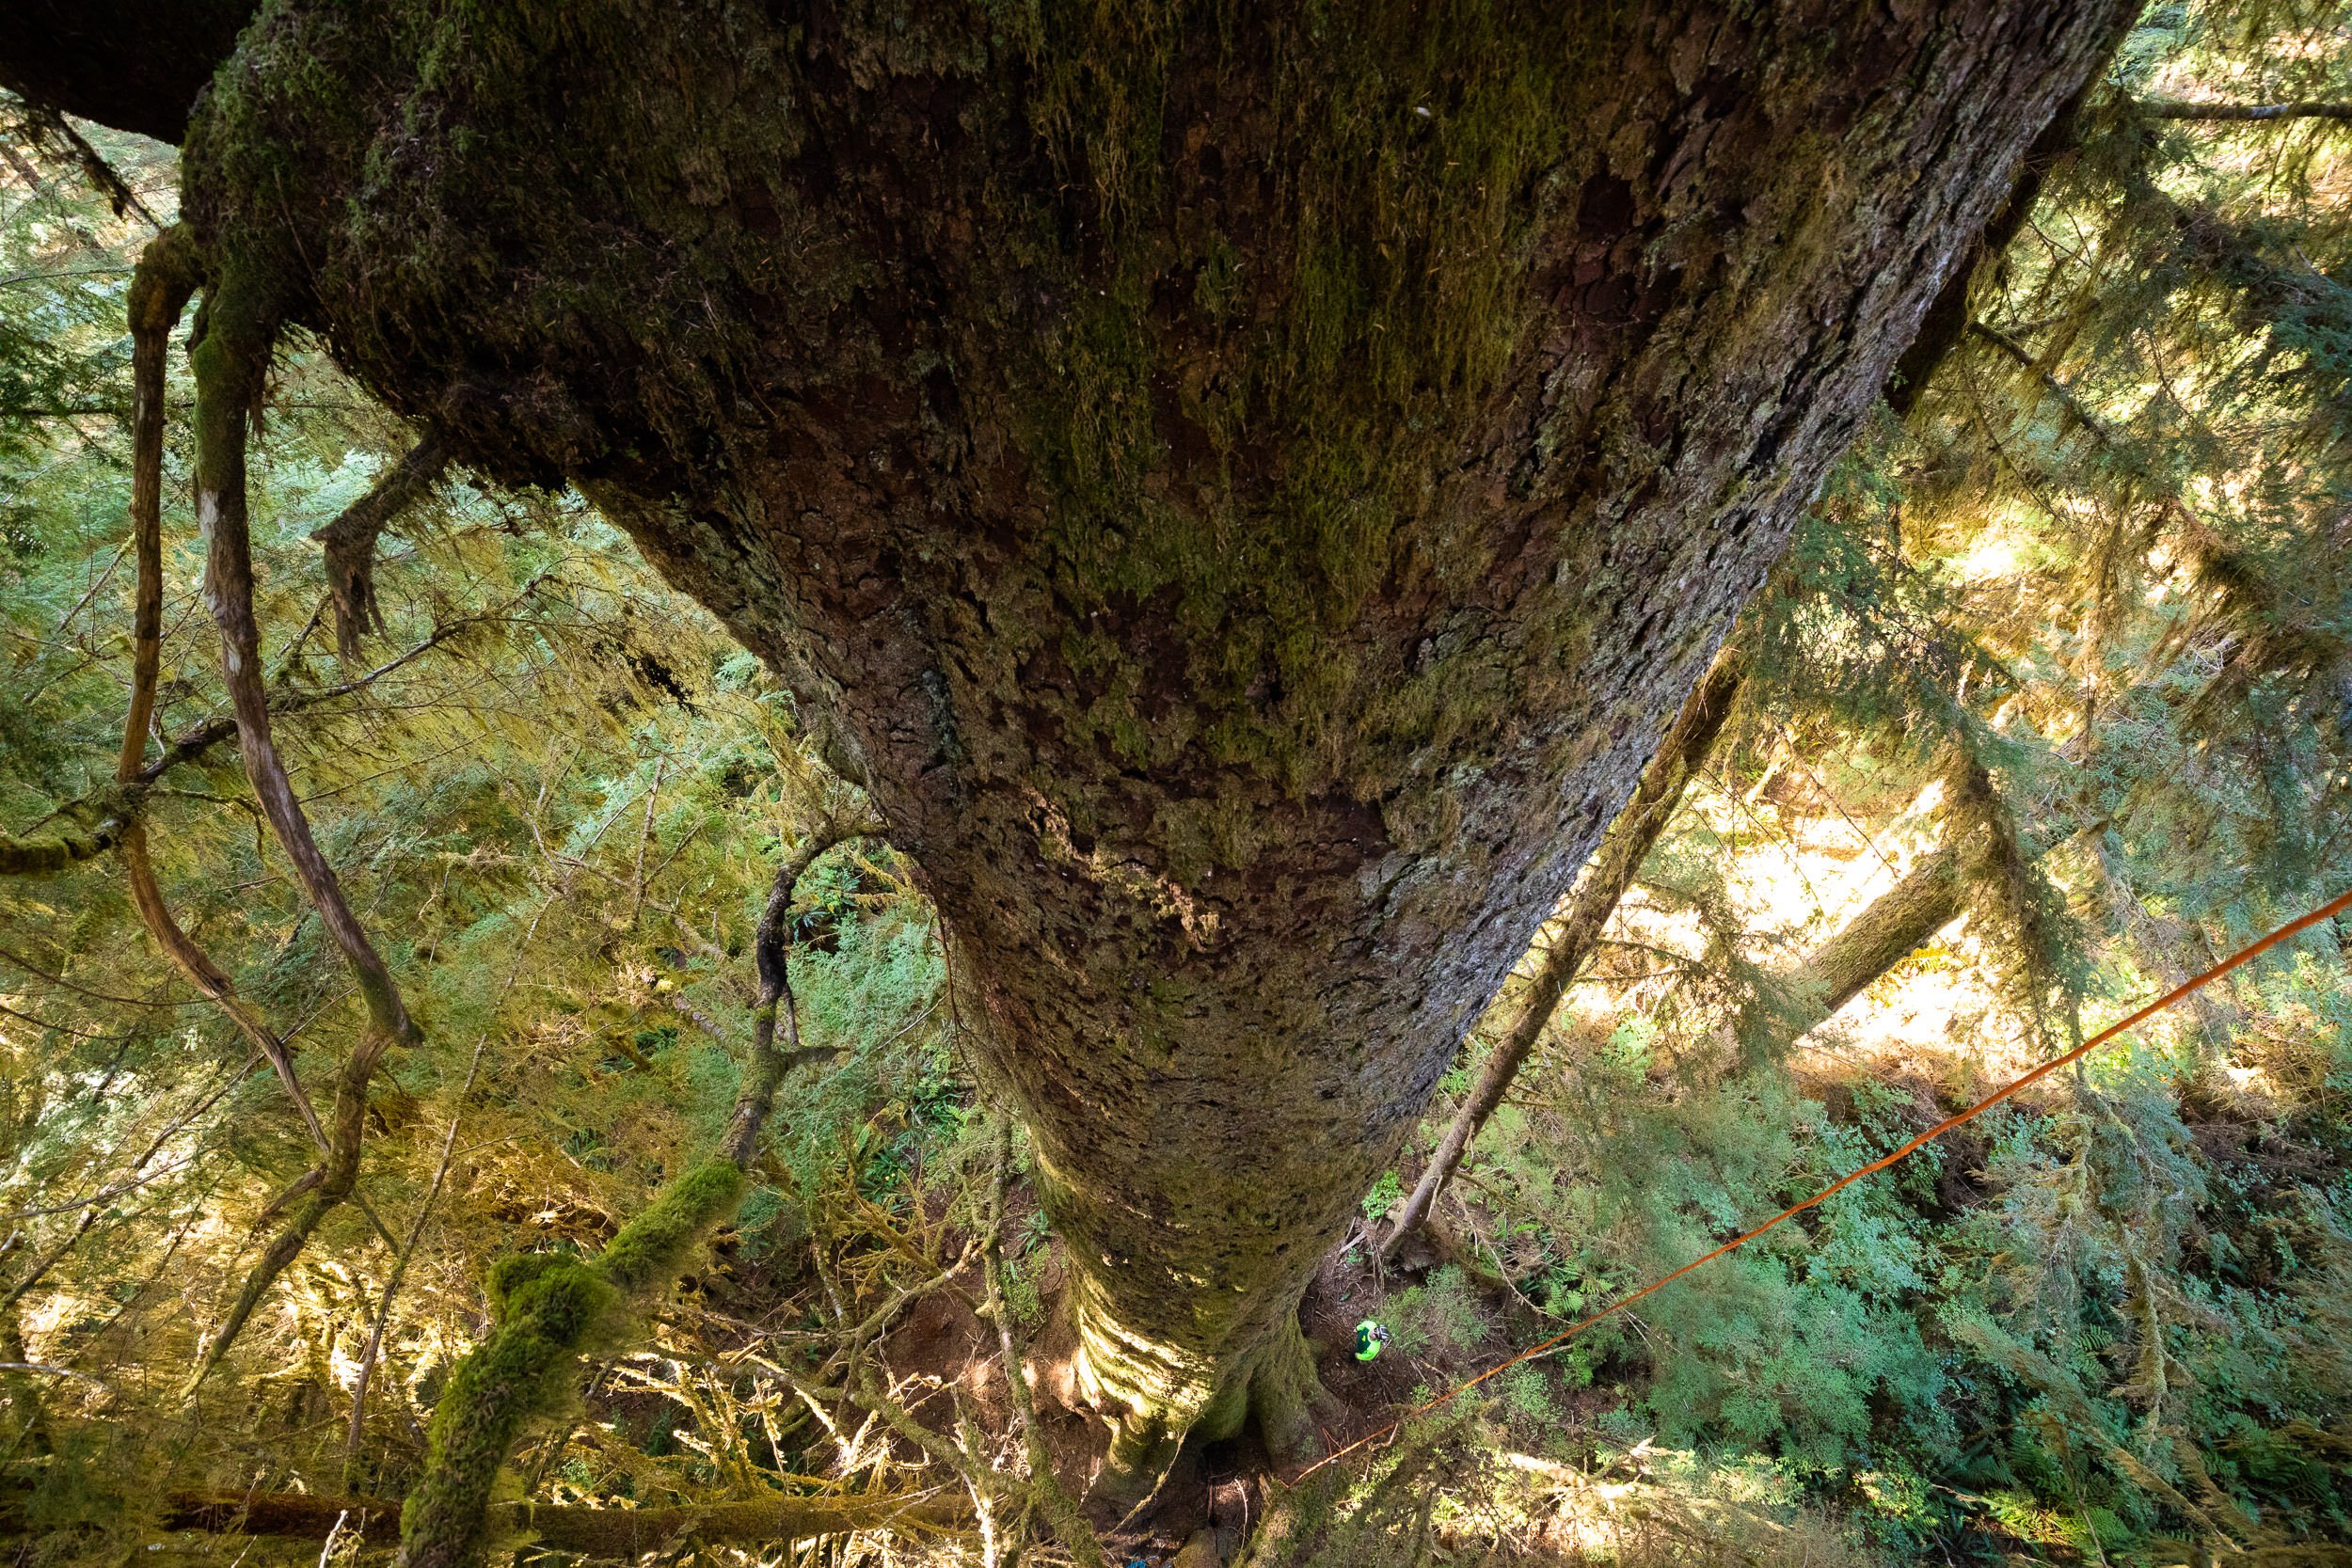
x=521 y=1372
x=549 y=1308
x=651 y=1247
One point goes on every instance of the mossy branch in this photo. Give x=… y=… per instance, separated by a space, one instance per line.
x=549 y=1308
x=51 y=856
x=623 y=1534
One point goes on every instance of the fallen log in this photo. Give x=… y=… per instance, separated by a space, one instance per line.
x=609 y=1533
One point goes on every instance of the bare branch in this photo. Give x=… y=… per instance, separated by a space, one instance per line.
x=166 y=277
x=772 y=950
x=350 y=539
x=229 y=363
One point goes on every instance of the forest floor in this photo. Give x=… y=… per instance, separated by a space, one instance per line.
x=945 y=1349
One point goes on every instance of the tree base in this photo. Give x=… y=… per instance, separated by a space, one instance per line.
x=1273 y=1385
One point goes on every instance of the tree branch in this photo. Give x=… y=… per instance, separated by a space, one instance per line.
x=1897 y=922
x=50 y=128
x=121 y=804
x=166 y=277
x=2173 y=108
x=547 y=1306
x=48 y=858
x=229 y=362
x=772 y=948
x=350 y=539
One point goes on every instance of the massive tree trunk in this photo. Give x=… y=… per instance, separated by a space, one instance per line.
x=1250 y=482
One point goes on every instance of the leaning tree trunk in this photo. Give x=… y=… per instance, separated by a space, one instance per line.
x=1897 y=922
x=1252 y=481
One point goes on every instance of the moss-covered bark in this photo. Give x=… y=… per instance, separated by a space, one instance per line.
x=549 y=1308
x=1252 y=481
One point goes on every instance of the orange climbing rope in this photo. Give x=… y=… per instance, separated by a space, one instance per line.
x=2328 y=911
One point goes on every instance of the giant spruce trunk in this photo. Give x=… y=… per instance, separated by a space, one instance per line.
x=1247 y=483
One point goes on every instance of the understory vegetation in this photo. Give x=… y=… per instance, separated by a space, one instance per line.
x=2056 y=682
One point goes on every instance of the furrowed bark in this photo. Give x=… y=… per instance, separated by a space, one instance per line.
x=1945 y=326
x=1679 y=759
x=1252 y=492
x=1061 y=1509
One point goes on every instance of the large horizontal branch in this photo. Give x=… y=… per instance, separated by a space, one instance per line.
x=1897 y=922
x=136 y=65
x=2173 y=108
